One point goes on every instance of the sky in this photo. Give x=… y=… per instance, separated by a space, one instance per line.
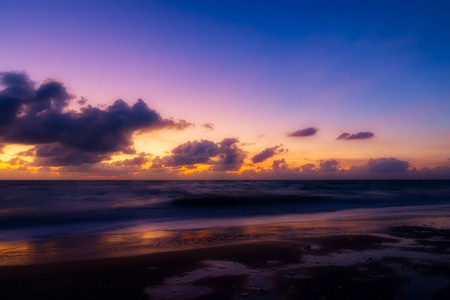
x=224 y=89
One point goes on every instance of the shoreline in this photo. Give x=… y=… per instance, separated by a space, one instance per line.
x=396 y=256
x=149 y=238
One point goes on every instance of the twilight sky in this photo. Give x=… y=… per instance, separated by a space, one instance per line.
x=228 y=89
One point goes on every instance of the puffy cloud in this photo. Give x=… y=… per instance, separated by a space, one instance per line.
x=29 y=152
x=441 y=172
x=59 y=155
x=279 y=164
x=139 y=160
x=2 y=148
x=157 y=163
x=267 y=153
x=329 y=165
x=228 y=142
x=17 y=161
x=227 y=155
x=386 y=165
x=231 y=157
x=304 y=132
x=40 y=117
x=82 y=101
x=308 y=168
x=195 y=152
x=357 y=136
x=208 y=126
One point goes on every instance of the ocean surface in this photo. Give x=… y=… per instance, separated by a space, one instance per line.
x=48 y=209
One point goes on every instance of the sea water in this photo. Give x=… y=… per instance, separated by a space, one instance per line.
x=43 y=209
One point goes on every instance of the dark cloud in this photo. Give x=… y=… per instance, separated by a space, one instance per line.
x=16 y=161
x=279 y=164
x=308 y=168
x=441 y=172
x=357 y=136
x=59 y=155
x=329 y=165
x=267 y=153
x=304 y=132
x=228 y=142
x=40 y=117
x=208 y=126
x=223 y=156
x=157 y=163
x=82 y=101
x=136 y=161
x=195 y=152
x=180 y=125
x=386 y=165
x=29 y=152
x=231 y=157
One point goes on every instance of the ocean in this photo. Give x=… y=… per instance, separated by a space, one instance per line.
x=35 y=209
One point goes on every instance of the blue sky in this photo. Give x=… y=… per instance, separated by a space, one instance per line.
x=253 y=69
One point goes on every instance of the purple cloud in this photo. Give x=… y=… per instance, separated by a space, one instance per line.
x=304 y=132
x=195 y=152
x=208 y=126
x=279 y=164
x=267 y=153
x=55 y=154
x=386 y=165
x=136 y=161
x=228 y=156
x=329 y=165
x=39 y=116
x=231 y=157
x=357 y=136
x=308 y=168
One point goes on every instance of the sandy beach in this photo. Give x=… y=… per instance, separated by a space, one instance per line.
x=380 y=256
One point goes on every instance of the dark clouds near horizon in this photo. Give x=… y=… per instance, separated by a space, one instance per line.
x=357 y=136
x=267 y=153
x=40 y=116
x=304 y=132
x=386 y=165
x=223 y=156
x=329 y=165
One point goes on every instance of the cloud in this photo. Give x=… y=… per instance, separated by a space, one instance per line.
x=279 y=164
x=386 y=165
x=139 y=160
x=304 y=132
x=29 y=152
x=195 y=152
x=227 y=155
x=308 y=168
x=231 y=157
x=82 y=101
x=329 y=165
x=60 y=155
x=180 y=125
x=40 y=116
x=357 y=136
x=17 y=161
x=2 y=148
x=208 y=126
x=267 y=153
x=441 y=172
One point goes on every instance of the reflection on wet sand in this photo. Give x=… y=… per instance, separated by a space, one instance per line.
x=144 y=239
x=376 y=257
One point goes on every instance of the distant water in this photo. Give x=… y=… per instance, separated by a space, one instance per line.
x=40 y=209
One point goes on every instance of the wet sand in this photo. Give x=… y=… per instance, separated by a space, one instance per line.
x=382 y=257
